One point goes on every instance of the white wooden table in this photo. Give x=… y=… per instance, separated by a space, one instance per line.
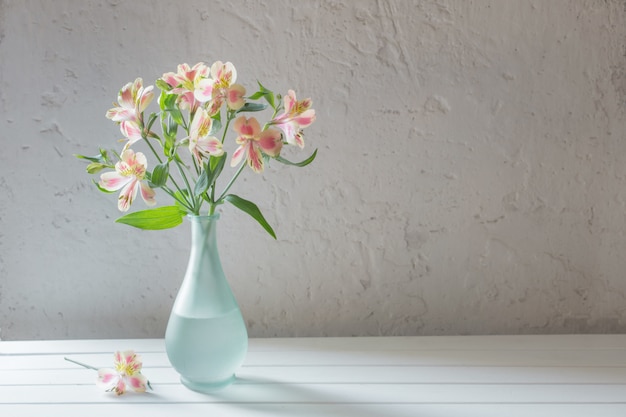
x=499 y=376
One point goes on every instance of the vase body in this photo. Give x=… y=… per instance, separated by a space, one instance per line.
x=206 y=339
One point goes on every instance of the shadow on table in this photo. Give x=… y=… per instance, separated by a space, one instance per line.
x=283 y=398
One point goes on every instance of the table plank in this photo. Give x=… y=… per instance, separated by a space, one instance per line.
x=352 y=374
x=317 y=410
x=289 y=393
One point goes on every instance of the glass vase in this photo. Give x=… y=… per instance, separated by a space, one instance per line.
x=206 y=338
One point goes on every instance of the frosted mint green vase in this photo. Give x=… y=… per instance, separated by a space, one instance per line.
x=206 y=339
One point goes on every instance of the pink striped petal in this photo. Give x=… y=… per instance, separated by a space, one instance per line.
x=107 y=379
x=147 y=194
x=119 y=114
x=210 y=145
x=270 y=142
x=125 y=96
x=238 y=155
x=137 y=382
x=247 y=127
x=131 y=131
x=306 y=118
x=127 y=195
x=112 y=181
x=204 y=90
x=234 y=96
x=145 y=97
x=255 y=158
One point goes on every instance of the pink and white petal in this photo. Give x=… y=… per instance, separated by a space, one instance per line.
x=147 y=194
x=306 y=118
x=127 y=195
x=270 y=142
x=130 y=130
x=210 y=145
x=204 y=90
x=238 y=155
x=255 y=158
x=234 y=96
x=119 y=114
x=170 y=78
x=290 y=129
x=113 y=181
x=299 y=139
x=125 y=96
x=140 y=159
x=137 y=382
x=145 y=97
x=120 y=389
x=290 y=101
x=107 y=379
x=247 y=127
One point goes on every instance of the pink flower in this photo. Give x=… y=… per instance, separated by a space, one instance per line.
x=186 y=83
x=200 y=143
x=253 y=143
x=132 y=100
x=127 y=372
x=221 y=88
x=128 y=176
x=297 y=115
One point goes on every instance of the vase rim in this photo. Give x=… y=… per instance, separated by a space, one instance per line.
x=203 y=216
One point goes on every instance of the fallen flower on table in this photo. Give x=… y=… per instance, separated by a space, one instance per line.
x=126 y=372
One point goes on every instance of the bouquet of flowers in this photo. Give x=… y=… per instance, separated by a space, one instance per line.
x=198 y=107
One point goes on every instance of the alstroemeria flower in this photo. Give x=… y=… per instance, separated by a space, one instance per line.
x=221 y=87
x=297 y=115
x=127 y=372
x=128 y=176
x=253 y=143
x=200 y=143
x=132 y=100
x=186 y=83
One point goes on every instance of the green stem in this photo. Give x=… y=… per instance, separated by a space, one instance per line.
x=194 y=202
x=187 y=203
x=84 y=365
x=230 y=183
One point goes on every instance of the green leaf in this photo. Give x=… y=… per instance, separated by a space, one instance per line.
x=250 y=107
x=297 y=164
x=216 y=164
x=160 y=174
x=202 y=184
x=163 y=85
x=177 y=116
x=89 y=158
x=252 y=209
x=154 y=219
x=95 y=167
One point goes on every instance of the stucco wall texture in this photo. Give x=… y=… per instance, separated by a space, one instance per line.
x=471 y=174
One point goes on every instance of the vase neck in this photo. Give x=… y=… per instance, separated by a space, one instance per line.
x=203 y=229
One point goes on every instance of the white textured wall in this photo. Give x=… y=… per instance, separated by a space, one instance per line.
x=471 y=175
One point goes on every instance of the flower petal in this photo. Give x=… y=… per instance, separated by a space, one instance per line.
x=147 y=194
x=130 y=130
x=107 y=379
x=113 y=181
x=204 y=90
x=234 y=96
x=270 y=142
x=127 y=195
x=137 y=382
x=238 y=155
x=255 y=159
x=247 y=127
x=306 y=118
